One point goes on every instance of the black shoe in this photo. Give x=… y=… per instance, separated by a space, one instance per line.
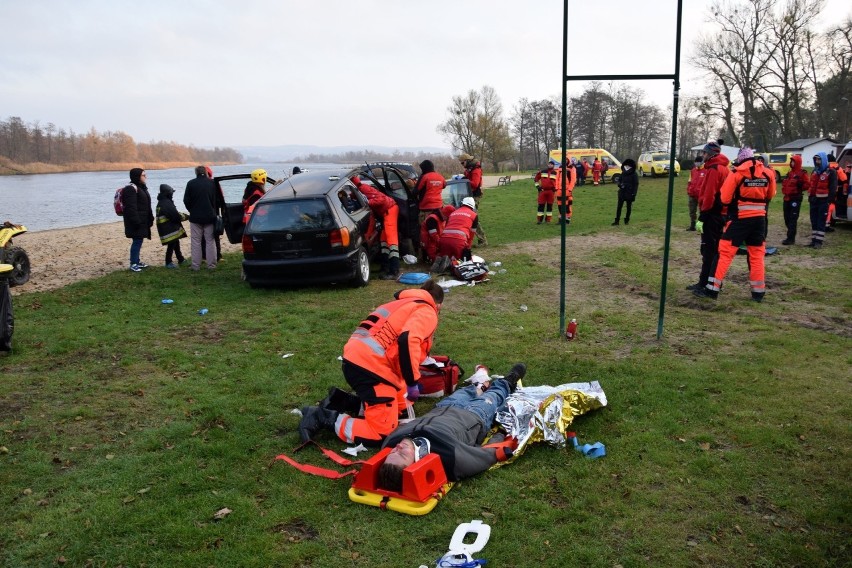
x=342 y=401
x=705 y=293
x=314 y=419
x=388 y=276
x=788 y=242
x=627 y=221
x=757 y=296
x=696 y=286
x=829 y=229
x=691 y=227
x=614 y=223
x=519 y=370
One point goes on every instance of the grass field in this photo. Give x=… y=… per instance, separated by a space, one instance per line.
x=126 y=424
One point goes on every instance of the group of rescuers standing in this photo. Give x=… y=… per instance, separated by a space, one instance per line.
x=731 y=202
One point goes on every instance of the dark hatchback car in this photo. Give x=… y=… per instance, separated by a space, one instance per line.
x=313 y=227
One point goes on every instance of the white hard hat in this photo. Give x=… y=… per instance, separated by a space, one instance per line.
x=470 y=202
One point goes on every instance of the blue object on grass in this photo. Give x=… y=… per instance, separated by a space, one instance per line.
x=168 y=301
x=413 y=278
x=202 y=311
x=596 y=450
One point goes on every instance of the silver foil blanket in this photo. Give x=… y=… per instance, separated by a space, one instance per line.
x=544 y=413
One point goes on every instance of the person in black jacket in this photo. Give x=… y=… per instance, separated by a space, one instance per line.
x=169 y=225
x=454 y=430
x=200 y=200
x=628 y=185
x=138 y=217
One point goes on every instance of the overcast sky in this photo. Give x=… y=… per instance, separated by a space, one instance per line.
x=323 y=72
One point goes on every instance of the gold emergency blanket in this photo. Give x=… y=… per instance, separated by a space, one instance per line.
x=544 y=413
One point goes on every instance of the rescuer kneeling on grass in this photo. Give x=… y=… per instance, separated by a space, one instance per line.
x=381 y=362
x=454 y=430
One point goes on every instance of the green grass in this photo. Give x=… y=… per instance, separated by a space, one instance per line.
x=129 y=423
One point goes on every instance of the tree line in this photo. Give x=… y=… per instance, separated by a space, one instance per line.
x=23 y=143
x=770 y=78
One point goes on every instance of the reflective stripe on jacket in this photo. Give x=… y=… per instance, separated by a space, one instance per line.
x=394 y=339
x=748 y=190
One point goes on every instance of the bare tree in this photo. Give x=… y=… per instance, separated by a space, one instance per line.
x=475 y=125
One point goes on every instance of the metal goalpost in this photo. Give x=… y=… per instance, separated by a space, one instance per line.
x=675 y=77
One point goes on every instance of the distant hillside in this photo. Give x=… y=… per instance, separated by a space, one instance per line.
x=289 y=152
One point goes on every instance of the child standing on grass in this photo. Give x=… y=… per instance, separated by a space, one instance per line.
x=169 y=225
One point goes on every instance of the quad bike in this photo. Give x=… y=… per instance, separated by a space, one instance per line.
x=14 y=255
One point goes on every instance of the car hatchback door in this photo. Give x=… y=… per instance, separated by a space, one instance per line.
x=231 y=189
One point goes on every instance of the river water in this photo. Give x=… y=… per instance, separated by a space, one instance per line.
x=61 y=201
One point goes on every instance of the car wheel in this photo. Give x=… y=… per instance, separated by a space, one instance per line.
x=616 y=179
x=642 y=171
x=777 y=176
x=21 y=262
x=362 y=269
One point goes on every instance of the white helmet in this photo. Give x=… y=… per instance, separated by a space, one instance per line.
x=470 y=202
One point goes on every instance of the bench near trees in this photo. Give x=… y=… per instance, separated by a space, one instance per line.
x=504 y=180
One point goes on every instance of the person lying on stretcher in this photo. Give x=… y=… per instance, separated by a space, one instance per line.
x=453 y=429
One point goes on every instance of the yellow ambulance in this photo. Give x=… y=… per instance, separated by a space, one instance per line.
x=613 y=165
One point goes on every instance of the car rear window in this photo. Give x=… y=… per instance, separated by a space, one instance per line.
x=660 y=158
x=777 y=158
x=292 y=215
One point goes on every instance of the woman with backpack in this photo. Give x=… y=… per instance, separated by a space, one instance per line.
x=137 y=214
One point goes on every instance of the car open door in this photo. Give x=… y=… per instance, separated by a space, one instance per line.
x=231 y=189
x=393 y=183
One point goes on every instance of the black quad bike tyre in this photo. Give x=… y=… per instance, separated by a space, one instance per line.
x=16 y=256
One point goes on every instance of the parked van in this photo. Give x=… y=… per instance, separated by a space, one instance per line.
x=841 y=213
x=780 y=162
x=613 y=171
x=656 y=163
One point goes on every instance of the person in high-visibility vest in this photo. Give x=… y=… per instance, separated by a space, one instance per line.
x=381 y=362
x=821 y=193
x=545 y=183
x=565 y=196
x=793 y=187
x=385 y=208
x=746 y=193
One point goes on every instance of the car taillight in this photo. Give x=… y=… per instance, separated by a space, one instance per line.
x=339 y=237
x=248 y=244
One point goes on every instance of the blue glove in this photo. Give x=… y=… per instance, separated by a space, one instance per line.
x=413 y=393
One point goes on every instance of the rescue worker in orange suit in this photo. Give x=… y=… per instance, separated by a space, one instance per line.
x=545 y=183
x=820 y=194
x=431 y=229
x=385 y=208
x=711 y=211
x=597 y=169
x=457 y=237
x=473 y=173
x=746 y=193
x=429 y=188
x=583 y=171
x=565 y=197
x=381 y=362
x=255 y=189
x=839 y=194
x=793 y=187
x=696 y=178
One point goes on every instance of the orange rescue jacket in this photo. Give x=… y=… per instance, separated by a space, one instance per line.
x=394 y=339
x=748 y=189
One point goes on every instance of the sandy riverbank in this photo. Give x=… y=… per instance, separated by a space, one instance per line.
x=62 y=256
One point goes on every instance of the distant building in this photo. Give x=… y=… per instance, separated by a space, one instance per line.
x=809 y=147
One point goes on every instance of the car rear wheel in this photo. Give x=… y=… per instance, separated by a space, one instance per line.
x=362 y=269
x=616 y=179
